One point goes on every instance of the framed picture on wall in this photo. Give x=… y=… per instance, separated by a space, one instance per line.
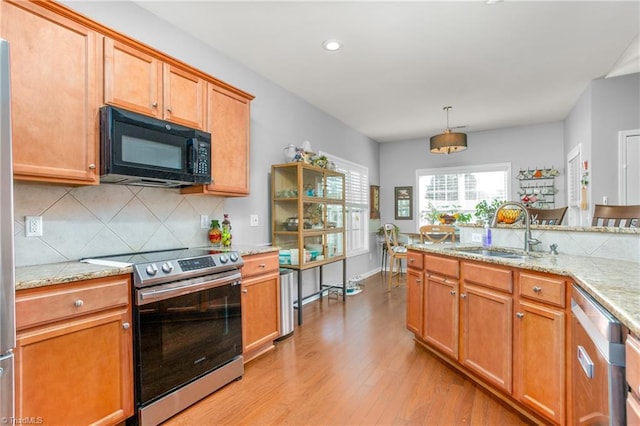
x=374 y=200
x=404 y=202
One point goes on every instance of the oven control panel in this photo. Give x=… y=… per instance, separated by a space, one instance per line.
x=166 y=270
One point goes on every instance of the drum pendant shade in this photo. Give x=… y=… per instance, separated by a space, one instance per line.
x=449 y=141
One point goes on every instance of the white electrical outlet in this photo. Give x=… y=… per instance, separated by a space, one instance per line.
x=476 y=238
x=204 y=221
x=253 y=220
x=33 y=226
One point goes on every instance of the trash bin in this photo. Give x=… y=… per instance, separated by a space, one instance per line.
x=286 y=303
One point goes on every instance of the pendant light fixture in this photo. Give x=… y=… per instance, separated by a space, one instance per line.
x=449 y=141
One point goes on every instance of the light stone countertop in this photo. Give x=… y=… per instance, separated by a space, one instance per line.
x=615 y=284
x=65 y=272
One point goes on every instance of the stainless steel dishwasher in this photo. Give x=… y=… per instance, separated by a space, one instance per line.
x=599 y=387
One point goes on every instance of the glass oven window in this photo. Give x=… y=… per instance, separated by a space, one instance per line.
x=182 y=338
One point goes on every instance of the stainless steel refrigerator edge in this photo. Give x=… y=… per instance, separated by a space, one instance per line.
x=7 y=264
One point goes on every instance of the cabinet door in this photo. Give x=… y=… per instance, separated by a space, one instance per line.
x=539 y=362
x=487 y=337
x=76 y=372
x=184 y=97
x=132 y=79
x=440 y=314
x=414 y=301
x=229 y=122
x=260 y=312
x=56 y=93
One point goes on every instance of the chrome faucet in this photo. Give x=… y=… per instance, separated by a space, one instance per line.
x=528 y=239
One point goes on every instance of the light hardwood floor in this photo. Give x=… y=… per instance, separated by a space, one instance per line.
x=351 y=364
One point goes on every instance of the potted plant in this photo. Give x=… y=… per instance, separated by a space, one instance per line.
x=381 y=231
x=486 y=210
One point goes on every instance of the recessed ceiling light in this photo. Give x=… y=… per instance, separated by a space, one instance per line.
x=490 y=2
x=332 y=45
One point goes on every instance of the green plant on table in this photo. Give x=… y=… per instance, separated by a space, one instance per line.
x=486 y=210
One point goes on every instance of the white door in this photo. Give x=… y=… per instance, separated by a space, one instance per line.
x=629 y=166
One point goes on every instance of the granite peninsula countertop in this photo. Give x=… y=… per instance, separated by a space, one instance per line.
x=615 y=284
x=66 y=272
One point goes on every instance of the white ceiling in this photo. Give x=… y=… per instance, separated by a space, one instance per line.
x=507 y=64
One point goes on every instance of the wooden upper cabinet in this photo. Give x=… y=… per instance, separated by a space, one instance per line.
x=55 y=94
x=132 y=79
x=229 y=122
x=138 y=81
x=184 y=96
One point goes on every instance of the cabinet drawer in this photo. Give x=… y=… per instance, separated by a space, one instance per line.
x=260 y=264
x=414 y=260
x=442 y=265
x=544 y=289
x=488 y=276
x=632 y=357
x=54 y=303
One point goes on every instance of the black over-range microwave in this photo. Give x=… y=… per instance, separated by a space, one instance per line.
x=140 y=150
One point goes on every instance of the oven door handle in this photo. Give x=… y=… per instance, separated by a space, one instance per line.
x=180 y=288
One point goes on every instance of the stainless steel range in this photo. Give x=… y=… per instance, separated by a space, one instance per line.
x=188 y=327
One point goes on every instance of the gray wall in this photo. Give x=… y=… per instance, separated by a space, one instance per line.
x=524 y=147
x=615 y=107
x=606 y=107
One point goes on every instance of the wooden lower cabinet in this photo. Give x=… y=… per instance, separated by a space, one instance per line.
x=74 y=362
x=505 y=327
x=486 y=336
x=486 y=310
x=539 y=362
x=260 y=304
x=440 y=314
x=414 y=300
x=632 y=359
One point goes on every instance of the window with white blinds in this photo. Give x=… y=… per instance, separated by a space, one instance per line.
x=459 y=189
x=356 y=179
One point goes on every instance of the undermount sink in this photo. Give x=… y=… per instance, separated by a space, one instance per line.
x=501 y=253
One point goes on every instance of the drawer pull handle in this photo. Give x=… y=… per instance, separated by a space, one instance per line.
x=154 y=105
x=244 y=290
x=169 y=109
x=262 y=265
x=78 y=303
x=412 y=260
x=418 y=281
x=92 y=166
x=452 y=292
x=519 y=315
x=537 y=289
x=126 y=325
x=463 y=296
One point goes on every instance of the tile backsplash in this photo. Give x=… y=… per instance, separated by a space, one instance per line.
x=107 y=219
x=573 y=241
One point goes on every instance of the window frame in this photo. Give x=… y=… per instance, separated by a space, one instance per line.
x=362 y=203
x=460 y=170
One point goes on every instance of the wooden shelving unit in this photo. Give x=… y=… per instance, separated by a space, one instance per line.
x=308 y=221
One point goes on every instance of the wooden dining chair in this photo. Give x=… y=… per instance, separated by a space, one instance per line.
x=396 y=252
x=547 y=216
x=616 y=216
x=437 y=233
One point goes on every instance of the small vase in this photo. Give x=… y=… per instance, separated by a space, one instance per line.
x=215 y=234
